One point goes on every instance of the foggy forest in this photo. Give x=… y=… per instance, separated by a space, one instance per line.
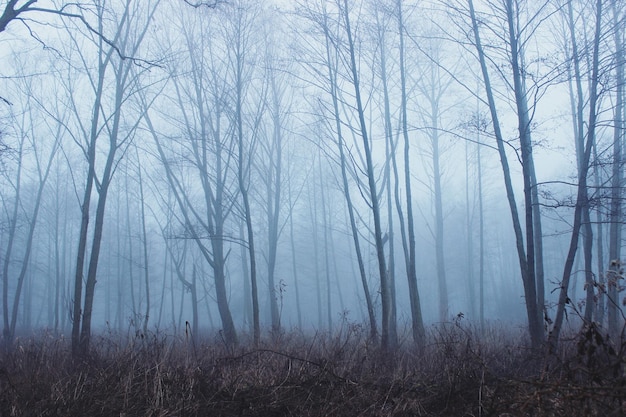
x=338 y=190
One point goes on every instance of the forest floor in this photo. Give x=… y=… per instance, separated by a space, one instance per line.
x=456 y=373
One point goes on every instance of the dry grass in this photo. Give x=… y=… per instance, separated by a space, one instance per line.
x=455 y=374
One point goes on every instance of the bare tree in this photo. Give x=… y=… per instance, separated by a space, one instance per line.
x=434 y=85
x=582 y=198
x=270 y=164
x=331 y=57
x=199 y=156
x=384 y=22
x=578 y=118
x=239 y=31
x=345 y=11
x=615 y=267
x=28 y=138
x=409 y=249
x=513 y=32
x=130 y=30
x=144 y=243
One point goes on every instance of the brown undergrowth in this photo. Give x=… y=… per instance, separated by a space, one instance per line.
x=456 y=373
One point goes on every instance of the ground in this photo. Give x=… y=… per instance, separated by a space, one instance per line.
x=456 y=373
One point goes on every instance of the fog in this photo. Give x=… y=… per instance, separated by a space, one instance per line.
x=246 y=168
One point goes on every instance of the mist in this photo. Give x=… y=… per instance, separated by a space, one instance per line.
x=312 y=207
x=243 y=169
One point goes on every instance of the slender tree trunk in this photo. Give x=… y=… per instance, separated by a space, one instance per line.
x=329 y=314
x=316 y=268
x=439 y=246
x=332 y=76
x=129 y=252
x=247 y=289
x=90 y=284
x=469 y=231
x=582 y=198
x=274 y=188
x=10 y=321
x=194 y=304
x=230 y=333
x=601 y=295
x=166 y=267
x=146 y=272
x=528 y=168
x=333 y=259
x=294 y=267
x=58 y=283
x=616 y=209
x=481 y=239
x=393 y=321
x=242 y=174
x=538 y=235
x=43 y=178
x=119 y=270
x=122 y=82
x=390 y=154
x=410 y=249
x=390 y=158
x=587 y=235
x=84 y=225
x=373 y=194
x=8 y=336
x=526 y=261
x=78 y=314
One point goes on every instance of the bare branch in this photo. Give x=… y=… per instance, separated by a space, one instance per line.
x=210 y=4
x=10 y=13
x=63 y=13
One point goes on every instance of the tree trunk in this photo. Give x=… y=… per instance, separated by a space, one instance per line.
x=439 y=247
x=582 y=199
x=325 y=215
x=243 y=168
x=274 y=189
x=469 y=244
x=90 y=285
x=373 y=194
x=332 y=76
x=535 y=317
x=294 y=267
x=417 y=321
x=481 y=240
x=527 y=271
x=85 y=209
x=8 y=337
x=601 y=294
x=616 y=209
x=390 y=157
x=146 y=272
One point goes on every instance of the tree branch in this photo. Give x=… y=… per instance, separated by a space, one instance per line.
x=10 y=13
x=210 y=4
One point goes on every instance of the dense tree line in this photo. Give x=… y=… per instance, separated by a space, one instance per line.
x=245 y=168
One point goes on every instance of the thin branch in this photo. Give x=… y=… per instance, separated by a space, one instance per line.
x=210 y=4
x=10 y=13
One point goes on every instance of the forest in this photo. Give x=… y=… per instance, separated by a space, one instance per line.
x=312 y=207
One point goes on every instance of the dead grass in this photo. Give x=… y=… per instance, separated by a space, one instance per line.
x=455 y=374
